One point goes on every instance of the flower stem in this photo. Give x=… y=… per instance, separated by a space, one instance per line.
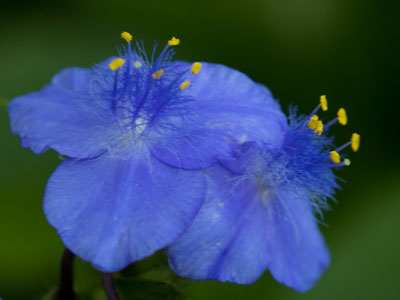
x=109 y=286
x=66 y=288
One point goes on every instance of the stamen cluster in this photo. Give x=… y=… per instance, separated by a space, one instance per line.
x=315 y=124
x=143 y=92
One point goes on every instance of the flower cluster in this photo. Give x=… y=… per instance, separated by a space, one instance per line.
x=195 y=157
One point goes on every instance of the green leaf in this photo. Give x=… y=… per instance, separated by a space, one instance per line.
x=147 y=290
x=154 y=268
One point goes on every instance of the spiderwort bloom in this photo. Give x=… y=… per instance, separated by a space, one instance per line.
x=136 y=131
x=259 y=211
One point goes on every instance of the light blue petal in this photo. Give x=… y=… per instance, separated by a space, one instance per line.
x=298 y=252
x=112 y=212
x=240 y=232
x=59 y=117
x=228 y=240
x=229 y=108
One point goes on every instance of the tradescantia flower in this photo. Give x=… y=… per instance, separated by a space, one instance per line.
x=259 y=211
x=136 y=131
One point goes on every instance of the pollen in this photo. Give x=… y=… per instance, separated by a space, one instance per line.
x=196 y=67
x=137 y=64
x=342 y=116
x=313 y=123
x=355 y=142
x=323 y=102
x=158 y=74
x=320 y=128
x=347 y=162
x=116 y=63
x=126 y=36
x=335 y=157
x=174 y=41
x=184 y=85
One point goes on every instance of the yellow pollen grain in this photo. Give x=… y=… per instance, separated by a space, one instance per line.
x=126 y=36
x=158 y=74
x=324 y=102
x=335 y=157
x=313 y=123
x=116 y=63
x=174 y=41
x=320 y=128
x=355 y=142
x=342 y=116
x=184 y=85
x=196 y=67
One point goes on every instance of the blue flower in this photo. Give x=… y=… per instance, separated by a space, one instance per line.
x=136 y=131
x=259 y=211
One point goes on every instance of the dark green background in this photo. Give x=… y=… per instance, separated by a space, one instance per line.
x=347 y=49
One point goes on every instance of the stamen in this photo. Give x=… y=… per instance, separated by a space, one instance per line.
x=355 y=142
x=158 y=74
x=342 y=116
x=184 y=85
x=126 y=36
x=174 y=41
x=345 y=163
x=137 y=64
x=320 y=127
x=196 y=68
x=313 y=123
x=323 y=102
x=116 y=64
x=335 y=157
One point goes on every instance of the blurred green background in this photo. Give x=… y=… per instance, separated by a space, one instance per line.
x=347 y=49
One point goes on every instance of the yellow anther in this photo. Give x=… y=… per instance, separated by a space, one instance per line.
x=342 y=116
x=313 y=123
x=196 y=68
x=158 y=74
x=184 y=85
x=174 y=41
x=320 y=128
x=324 y=103
x=126 y=36
x=137 y=64
x=116 y=63
x=335 y=157
x=355 y=142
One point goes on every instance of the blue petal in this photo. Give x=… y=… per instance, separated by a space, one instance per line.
x=227 y=240
x=57 y=117
x=230 y=108
x=112 y=212
x=298 y=251
x=240 y=232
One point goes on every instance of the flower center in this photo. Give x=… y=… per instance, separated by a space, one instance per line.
x=144 y=91
x=303 y=163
